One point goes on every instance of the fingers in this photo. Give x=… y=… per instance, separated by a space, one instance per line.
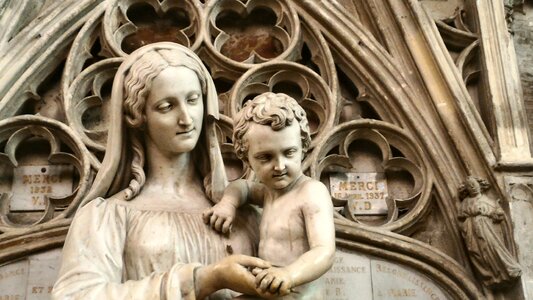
x=275 y=285
x=250 y=261
x=227 y=225
x=259 y=277
x=256 y=271
x=265 y=282
x=206 y=215
x=213 y=220
x=218 y=224
x=284 y=289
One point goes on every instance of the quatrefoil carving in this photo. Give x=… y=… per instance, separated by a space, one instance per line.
x=65 y=149
x=253 y=31
x=132 y=24
x=374 y=149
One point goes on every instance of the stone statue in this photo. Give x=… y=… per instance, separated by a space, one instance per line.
x=480 y=216
x=297 y=234
x=149 y=240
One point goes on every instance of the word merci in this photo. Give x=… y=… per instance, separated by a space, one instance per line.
x=32 y=184
x=40 y=178
x=365 y=192
x=358 y=186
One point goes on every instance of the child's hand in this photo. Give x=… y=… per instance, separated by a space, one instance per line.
x=220 y=217
x=274 y=281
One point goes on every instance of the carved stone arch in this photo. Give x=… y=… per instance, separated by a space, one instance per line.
x=422 y=122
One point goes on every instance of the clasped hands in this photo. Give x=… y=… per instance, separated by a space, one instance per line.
x=270 y=281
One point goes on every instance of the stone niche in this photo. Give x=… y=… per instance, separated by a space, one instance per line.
x=359 y=277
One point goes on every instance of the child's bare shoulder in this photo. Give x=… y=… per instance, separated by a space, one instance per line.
x=313 y=187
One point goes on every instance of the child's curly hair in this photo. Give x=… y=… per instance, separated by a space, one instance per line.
x=276 y=110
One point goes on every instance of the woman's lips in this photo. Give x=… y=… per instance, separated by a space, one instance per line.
x=185 y=132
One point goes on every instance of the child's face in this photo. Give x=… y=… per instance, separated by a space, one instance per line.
x=275 y=156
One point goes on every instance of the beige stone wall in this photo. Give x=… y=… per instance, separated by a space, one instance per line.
x=522 y=28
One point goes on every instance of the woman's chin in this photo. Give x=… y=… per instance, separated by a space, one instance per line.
x=184 y=148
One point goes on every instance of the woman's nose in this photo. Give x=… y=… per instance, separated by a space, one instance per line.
x=184 y=118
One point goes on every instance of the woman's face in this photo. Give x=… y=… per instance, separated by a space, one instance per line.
x=174 y=110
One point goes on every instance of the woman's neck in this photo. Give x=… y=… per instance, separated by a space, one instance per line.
x=173 y=173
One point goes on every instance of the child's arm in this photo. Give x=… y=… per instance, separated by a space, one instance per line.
x=318 y=218
x=221 y=215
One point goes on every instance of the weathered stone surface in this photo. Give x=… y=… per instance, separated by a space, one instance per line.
x=13 y=280
x=43 y=271
x=521 y=208
x=391 y=281
x=31 y=278
x=522 y=28
x=359 y=277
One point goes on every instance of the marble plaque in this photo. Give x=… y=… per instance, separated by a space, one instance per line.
x=31 y=278
x=365 y=192
x=392 y=281
x=32 y=183
x=13 y=280
x=42 y=274
x=349 y=278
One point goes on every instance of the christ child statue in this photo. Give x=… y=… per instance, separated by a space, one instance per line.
x=297 y=234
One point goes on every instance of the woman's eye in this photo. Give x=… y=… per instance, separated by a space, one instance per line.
x=193 y=99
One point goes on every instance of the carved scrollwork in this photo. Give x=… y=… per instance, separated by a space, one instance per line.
x=400 y=178
x=63 y=149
